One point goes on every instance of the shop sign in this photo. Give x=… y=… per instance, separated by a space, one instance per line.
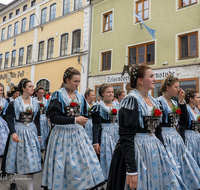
x=110 y=79
x=19 y=74
x=162 y=73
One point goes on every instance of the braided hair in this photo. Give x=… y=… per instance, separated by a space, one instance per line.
x=168 y=81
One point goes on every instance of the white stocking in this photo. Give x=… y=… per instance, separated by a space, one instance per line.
x=30 y=182
x=12 y=178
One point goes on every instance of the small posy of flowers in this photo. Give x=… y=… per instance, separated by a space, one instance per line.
x=156 y=112
x=41 y=104
x=113 y=111
x=176 y=109
x=89 y=108
x=198 y=118
x=74 y=103
x=1 y=107
x=29 y=109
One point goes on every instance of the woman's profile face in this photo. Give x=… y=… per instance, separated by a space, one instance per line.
x=148 y=80
x=1 y=91
x=74 y=82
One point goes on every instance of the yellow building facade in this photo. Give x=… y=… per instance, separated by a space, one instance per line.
x=40 y=39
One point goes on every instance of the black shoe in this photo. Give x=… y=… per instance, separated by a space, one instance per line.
x=13 y=186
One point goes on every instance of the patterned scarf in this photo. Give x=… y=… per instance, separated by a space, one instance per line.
x=128 y=103
x=191 y=114
x=19 y=106
x=165 y=106
x=63 y=98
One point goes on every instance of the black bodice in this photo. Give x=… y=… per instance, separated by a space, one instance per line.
x=72 y=111
x=195 y=126
x=25 y=118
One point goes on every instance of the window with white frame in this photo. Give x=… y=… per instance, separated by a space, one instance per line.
x=1 y=60
x=3 y=34
x=32 y=21
x=29 y=54
x=24 y=7
x=13 y=58
x=106 y=60
x=64 y=45
x=142 y=9
x=45 y=83
x=43 y=15
x=21 y=56
x=16 y=28
x=76 y=41
x=66 y=6
x=17 y=11
x=9 y=31
x=23 y=25
x=6 y=60
x=41 y=51
x=10 y=15
x=50 y=48
x=33 y=3
x=77 y=4
x=53 y=11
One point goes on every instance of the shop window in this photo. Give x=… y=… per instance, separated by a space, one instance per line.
x=21 y=56
x=108 y=21
x=23 y=25
x=41 y=51
x=13 y=58
x=64 y=45
x=6 y=60
x=77 y=4
x=183 y=3
x=32 y=21
x=43 y=15
x=76 y=43
x=3 y=34
x=1 y=60
x=16 y=28
x=50 y=48
x=142 y=54
x=66 y=6
x=29 y=54
x=188 y=45
x=106 y=60
x=53 y=11
x=183 y=83
x=9 y=31
x=115 y=87
x=45 y=83
x=142 y=9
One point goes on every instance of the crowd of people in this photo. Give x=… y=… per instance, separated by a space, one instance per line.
x=126 y=142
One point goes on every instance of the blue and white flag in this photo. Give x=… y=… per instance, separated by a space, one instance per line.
x=151 y=31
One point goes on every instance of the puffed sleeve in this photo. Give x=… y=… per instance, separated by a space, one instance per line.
x=10 y=117
x=96 y=120
x=56 y=114
x=128 y=123
x=37 y=122
x=183 y=121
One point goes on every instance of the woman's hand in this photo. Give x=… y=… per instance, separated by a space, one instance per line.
x=131 y=181
x=97 y=148
x=15 y=138
x=81 y=120
x=181 y=96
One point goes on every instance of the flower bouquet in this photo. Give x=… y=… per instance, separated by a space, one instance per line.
x=73 y=110
x=113 y=115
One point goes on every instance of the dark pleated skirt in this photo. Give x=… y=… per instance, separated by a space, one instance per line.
x=117 y=171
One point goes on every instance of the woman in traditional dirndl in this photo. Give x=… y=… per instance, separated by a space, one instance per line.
x=105 y=127
x=71 y=162
x=89 y=102
x=4 y=131
x=174 y=112
x=140 y=159
x=190 y=133
x=44 y=124
x=120 y=94
x=23 y=117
